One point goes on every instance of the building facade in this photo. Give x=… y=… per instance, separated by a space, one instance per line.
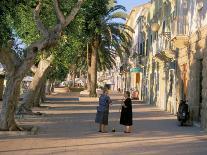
x=138 y=54
x=172 y=36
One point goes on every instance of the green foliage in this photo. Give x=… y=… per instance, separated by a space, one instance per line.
x=47 y=14
x=97 y=18
x=93 y=12
x=25 y=27
x=7 y=8
x=66 y=6
x=16 y=16
x=114 y=37
x=58 y=72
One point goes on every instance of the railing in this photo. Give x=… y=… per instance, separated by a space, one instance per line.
x=162 y=43
x=179 y=26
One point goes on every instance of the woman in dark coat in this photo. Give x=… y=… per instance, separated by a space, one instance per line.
x=126 y=113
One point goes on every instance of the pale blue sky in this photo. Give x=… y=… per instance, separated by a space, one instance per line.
x=129 y=4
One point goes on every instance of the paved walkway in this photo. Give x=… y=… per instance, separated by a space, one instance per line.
x=67 y=127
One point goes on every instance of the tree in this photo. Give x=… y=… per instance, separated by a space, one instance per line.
x=109 y=39
x=16 y=66
x=67 y=53
x=32 y=97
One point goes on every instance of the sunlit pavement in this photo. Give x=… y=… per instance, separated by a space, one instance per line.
x=67 y=127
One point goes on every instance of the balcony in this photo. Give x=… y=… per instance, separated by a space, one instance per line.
x=180 y=40
x=162 y=48
x=180 y=37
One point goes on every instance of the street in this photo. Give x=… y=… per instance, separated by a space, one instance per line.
x=67 y=127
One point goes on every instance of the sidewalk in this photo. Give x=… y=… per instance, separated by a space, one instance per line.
x=67 y=127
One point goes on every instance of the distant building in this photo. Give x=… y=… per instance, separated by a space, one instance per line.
x=136 y=76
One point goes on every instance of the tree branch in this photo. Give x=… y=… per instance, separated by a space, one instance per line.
x=8 y=57
x=5 y=59
x=39 y=24
x=51 y=37
x=73 y=12
x=65 y=21
x=59 y=13
x=32 y=51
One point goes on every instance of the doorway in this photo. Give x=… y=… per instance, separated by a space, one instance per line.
x=200 y=80
x=184 y=81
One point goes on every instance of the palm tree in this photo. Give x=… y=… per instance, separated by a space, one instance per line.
x=111 y=40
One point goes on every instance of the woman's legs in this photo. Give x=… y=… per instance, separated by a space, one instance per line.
x=104 y=128
x=128 y=129
x=99 y=127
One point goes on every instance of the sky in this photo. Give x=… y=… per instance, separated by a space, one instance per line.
x=129 y=4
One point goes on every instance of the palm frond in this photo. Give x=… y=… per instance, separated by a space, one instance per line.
x=115 y=8
x=117 y=15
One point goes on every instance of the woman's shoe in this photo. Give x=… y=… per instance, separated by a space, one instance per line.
x=127 y=132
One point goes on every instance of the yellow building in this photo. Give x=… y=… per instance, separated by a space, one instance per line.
x=137 y=20
x=170 y=40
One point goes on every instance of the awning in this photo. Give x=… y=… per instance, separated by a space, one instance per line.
x=136 y=70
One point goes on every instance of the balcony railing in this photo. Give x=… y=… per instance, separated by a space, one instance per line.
x=163 y=47
x=180 y=30
x=162 y=44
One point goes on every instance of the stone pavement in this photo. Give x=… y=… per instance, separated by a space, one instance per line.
x=67 y=127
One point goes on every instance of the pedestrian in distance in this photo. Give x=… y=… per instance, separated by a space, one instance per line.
x=126 y=113
x=103 y=111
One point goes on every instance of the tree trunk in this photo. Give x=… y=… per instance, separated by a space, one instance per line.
x=10 y=100
x=73 y=71
x=92 y=69
x=89 y=79
x=73 y=78
x=35 y=86
x=43 y=94
x=49 y=85
x=89 y=68
x=40 y=94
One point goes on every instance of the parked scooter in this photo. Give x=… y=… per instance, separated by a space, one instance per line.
x=183 y=112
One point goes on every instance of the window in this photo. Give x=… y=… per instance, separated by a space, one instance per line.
x=141 y=49
x=147 y=48
x=163 y=26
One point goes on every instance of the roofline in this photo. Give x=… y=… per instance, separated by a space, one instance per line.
x=137 y=7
